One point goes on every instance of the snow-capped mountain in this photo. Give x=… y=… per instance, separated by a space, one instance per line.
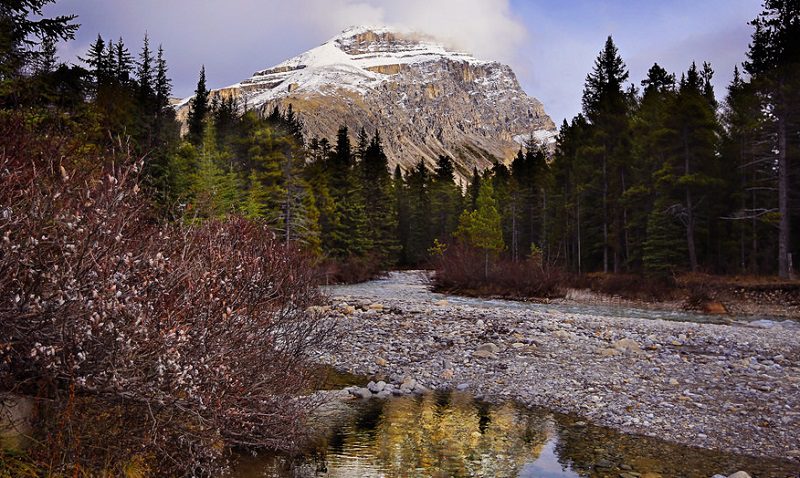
x=425 y=99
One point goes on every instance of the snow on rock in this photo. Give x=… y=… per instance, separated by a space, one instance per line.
x=426 y=99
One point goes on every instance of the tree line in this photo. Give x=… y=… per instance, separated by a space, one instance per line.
x=657 y=180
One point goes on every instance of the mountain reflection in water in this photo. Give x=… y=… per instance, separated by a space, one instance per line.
x=453 y=435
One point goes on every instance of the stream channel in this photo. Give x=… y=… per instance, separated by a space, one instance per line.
x=450 y=434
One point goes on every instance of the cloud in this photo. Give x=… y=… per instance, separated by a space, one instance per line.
x=485 y=28
x=235 y=38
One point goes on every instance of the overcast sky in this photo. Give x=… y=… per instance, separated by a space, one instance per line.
x=551 y=45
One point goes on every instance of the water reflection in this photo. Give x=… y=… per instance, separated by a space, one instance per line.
x=452 y=435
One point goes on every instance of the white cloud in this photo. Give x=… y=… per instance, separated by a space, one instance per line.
x=485 y=28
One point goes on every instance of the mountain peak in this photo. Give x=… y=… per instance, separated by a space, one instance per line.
x=426 y=99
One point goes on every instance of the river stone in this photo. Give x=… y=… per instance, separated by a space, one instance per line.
x=348 y=310
x=739 y=474
x=361 y=392
x=376 y=306
x=441 y=303
x=562 y=334
x=483 y=354
x=609 y=352
x=380 y=361
x=448 y=374
x=488 y=347
x=376 y=387
x=629 y=346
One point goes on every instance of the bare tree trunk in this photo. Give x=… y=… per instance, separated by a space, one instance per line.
x=605 y=214
x=783 y=197
x=689 y=207
x=514 y=238
x=578 y=222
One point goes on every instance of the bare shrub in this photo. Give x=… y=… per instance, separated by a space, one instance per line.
x=350 y=270
x=461 y=269
x=163 y=342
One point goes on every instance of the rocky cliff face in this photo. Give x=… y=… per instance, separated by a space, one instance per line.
x=424 y=98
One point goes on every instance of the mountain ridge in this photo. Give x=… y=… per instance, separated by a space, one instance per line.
x=426 y=99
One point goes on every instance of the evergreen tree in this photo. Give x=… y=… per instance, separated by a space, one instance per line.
x=215 y=188
x=144 y=74
x=401 y=204
x=606 y=106
x=474 y=188
x=774 y=65
x=446 y=200
x=19 y=35
x=665 y=247
x=123 y=63
x=198 y=109
x=482 y=228
x=349 y=238
x=692 y=130
x=163 y=85
x=377 y=188
x=420 y=237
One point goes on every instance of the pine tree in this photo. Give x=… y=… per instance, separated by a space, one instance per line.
x=18 y=33
x=349 y=238
x=650 y=149
x=774 y=65
x=377 y=188
x=215 y=189
x=48 y=59
x=144 y=74
x=692 y=130
x=96 y=60
x=198 y=109
x=123 y=63
x=474 y=188
x=401 y=204
x=446 y=200
x=606 y=106
x=163 y=85
x=420 y=236
x=482 y=228
x=665 y=247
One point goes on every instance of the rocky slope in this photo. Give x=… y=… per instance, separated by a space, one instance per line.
x=424 y=98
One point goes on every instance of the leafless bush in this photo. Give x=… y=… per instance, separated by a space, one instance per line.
x=461 y=269
x=184 y=341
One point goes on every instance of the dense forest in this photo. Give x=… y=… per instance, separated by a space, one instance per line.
x=658 y=180
x=665 y=178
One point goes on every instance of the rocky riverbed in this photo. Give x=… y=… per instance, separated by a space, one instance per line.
x=728 y=387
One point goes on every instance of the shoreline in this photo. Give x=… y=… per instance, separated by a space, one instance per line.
x=734 y=389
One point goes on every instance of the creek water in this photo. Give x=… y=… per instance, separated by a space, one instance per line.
x=414 y=286
x=453 y=435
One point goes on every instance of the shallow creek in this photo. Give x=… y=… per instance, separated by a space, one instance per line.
x=453 y=435
x=414 y=286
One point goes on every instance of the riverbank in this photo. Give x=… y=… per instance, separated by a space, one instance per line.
x=732 y=388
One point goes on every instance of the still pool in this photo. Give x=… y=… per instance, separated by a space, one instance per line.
x=454 y=435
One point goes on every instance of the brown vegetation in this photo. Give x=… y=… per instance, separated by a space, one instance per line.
x=462 y=270
x=147 y=345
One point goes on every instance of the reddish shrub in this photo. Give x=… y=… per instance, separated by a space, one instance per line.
x=181 y=341
x=462 y=269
